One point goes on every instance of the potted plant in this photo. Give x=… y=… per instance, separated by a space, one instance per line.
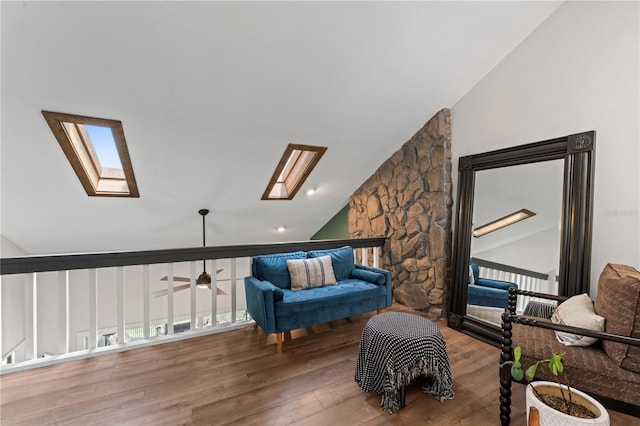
x=556 y=402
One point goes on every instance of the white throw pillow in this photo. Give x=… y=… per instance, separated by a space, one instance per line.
x=309 y=273
x=577 y=311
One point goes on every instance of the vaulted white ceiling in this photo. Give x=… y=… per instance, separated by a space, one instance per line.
x=210 y=94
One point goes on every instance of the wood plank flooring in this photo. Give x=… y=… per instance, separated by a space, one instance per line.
x=237 y=378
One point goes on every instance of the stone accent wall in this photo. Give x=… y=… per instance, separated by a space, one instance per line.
x=409 y=201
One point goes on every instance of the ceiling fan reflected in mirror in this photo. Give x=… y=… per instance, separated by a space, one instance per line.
x=203 y=280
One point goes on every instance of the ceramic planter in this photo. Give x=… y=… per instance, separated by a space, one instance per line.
x=550 y=416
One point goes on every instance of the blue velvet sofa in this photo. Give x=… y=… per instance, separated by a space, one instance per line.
x=487 y=292
x=276 y=308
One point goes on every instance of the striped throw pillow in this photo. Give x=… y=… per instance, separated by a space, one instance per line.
x=310 y=273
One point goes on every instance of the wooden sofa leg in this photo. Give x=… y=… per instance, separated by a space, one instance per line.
x=279 y=338
x=378 y=311
x=255 y=325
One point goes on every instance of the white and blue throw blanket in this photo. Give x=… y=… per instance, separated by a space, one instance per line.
x=397 y=347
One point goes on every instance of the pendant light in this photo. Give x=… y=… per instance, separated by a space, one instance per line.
x=204 y=280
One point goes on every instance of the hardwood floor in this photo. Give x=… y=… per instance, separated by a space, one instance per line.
x=237 y=378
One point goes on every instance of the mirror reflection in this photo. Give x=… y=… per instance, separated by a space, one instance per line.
x=525 y=253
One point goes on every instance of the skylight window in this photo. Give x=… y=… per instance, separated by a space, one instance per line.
x=97 y=151
x=104 y=145
x=294 y=167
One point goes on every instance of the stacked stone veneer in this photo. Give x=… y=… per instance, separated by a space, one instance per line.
x=408 y=200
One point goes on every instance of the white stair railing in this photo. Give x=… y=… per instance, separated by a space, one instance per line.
x=99 y=308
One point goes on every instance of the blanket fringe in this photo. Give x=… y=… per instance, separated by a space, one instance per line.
x=441 y=387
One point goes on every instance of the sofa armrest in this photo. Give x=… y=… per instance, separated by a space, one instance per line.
x=487 y=296
x=386 y=282
x=261 y=297
x=502 y=285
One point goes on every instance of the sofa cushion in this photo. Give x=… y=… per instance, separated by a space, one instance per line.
x=310 y=273
x=273 y=268
x=618 y=300
x=577 y=311
x=321 y=299
x=341 y=258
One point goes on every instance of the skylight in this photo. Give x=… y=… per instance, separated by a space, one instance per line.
x=97 y=151
x=294 y=167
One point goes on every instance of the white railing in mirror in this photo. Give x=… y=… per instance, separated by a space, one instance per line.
x=525 y=279
x=60 y=308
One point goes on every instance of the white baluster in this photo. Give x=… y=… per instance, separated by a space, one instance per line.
x=193 y=295
x=145 y=297
x=1 y=345
x=120 y=303
x=93 y=308
x=63 y=312
x=376 y=257
x=170 y=298
x=214 y=292
x=31 y=316
x=365 y=256
x=233 y=290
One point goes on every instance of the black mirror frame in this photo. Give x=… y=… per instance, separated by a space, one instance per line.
x=578 y=152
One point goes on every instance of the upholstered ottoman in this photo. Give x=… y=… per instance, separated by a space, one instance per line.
x=397 y=347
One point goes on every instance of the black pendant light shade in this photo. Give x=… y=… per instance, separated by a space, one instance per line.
x=204 y=280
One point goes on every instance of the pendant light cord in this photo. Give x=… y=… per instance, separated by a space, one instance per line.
x=203 y=231
x=204 y=212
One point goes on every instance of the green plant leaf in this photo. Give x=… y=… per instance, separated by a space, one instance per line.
x=516 y=370
x=531 y=371
x=517 y=351
x=555 y=364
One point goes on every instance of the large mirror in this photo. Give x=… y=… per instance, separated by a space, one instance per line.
x=523 y=252
x=547 y=188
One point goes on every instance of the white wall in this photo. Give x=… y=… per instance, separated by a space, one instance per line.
x=578 y=71
x=537 y=252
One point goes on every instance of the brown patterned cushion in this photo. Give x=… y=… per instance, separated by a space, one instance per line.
x=618 y=300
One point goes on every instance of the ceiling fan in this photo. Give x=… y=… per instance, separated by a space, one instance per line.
x=203 y=281
x=163 y=292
